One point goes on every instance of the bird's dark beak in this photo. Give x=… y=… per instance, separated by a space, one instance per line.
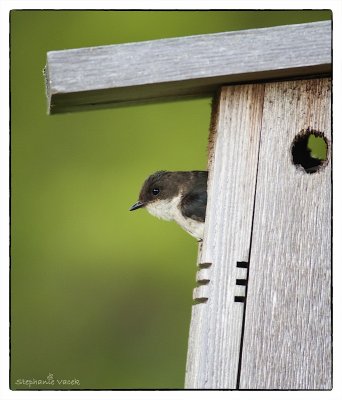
x=137 y=205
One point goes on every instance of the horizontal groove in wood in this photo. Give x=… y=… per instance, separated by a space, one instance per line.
x=203 y=275
x=201 y=292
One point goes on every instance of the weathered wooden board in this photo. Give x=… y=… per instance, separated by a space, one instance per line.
x=216 y=323
x=103 y=76
x=287 y=339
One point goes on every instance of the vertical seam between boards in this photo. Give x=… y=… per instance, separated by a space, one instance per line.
x=250 y=247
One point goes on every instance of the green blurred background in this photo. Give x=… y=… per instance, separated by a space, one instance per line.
x=98 y=293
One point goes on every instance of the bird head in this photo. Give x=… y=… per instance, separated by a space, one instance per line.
x=162 y=185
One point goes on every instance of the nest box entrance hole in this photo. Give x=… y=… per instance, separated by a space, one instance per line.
x=309 y=150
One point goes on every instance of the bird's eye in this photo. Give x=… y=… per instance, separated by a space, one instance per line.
x=155 y=191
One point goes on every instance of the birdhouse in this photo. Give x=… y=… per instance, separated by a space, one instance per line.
x=261 y=317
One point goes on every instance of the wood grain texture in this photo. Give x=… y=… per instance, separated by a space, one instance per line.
x=287 y=339
x=103 y=76
x=216 y=323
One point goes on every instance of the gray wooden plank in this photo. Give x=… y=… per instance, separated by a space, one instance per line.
x=287 y=339
x=216 y=324
x=198 y=65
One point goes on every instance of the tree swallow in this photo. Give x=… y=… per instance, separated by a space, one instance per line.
x=179 y=196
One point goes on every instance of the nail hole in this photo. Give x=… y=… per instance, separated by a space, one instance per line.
x=309 y=150
x=239 y=299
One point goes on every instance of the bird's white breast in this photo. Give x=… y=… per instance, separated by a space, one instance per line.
x=164 y=209
x=169 y=210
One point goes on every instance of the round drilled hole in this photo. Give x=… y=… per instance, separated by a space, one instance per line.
x=309 y=150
